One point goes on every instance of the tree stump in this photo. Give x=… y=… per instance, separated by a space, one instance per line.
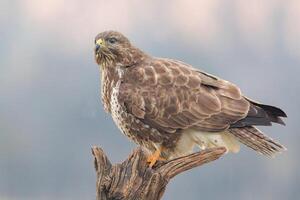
x=134 y=180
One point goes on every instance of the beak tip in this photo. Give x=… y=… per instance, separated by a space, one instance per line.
x=97 y=47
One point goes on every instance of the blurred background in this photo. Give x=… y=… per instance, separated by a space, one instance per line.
x=50 y=110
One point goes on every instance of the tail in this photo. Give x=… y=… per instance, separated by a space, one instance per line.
x=256 y=140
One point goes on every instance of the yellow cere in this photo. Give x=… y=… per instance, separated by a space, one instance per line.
x=100 y=42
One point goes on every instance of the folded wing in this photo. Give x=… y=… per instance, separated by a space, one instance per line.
x=170 y=95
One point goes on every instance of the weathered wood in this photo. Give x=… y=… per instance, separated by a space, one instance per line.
x=134 y=180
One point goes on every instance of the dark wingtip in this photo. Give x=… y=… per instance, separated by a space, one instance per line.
x=276 y=119
x=280 y=121
x=280 y=112
x=284 y=115
x=274 y=110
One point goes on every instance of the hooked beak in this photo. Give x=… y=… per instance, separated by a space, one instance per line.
x=97 y=47
x=99 y=44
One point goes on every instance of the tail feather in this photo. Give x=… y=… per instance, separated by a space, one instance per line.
x=256 y=140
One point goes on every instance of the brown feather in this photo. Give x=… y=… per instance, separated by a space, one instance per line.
x=182 y=97
x=154 y=100
x=255 y=139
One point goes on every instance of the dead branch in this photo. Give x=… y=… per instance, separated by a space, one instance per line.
x=134 y=180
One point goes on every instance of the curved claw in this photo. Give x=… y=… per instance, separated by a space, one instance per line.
x=153 y=158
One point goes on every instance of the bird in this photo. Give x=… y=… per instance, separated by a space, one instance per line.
x=172 y=108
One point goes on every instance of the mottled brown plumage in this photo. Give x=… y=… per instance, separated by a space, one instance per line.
x=168 y=105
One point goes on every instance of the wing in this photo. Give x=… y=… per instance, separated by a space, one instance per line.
x=170 y=95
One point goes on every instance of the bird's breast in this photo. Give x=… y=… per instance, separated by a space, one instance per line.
x=121 y=117
x=130 y=125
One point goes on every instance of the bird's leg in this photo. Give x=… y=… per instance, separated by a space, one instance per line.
x=153 y=158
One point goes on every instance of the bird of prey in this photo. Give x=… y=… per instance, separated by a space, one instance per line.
x=170 y=107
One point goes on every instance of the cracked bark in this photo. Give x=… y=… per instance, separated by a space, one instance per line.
x=134 y=180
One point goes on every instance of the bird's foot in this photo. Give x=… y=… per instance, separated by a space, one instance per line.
x=153 y=158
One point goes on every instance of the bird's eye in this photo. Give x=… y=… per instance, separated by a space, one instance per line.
x=112 y=40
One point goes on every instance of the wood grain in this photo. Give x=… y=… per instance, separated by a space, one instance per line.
x=134 y=180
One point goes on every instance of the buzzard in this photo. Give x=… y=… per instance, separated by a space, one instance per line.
x=170 y=107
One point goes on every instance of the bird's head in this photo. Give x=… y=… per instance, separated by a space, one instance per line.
x=113 y=48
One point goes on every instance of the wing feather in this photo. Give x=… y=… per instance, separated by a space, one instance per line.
x=171 y=95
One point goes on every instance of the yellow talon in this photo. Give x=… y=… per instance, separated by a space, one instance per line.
x=153 y=158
